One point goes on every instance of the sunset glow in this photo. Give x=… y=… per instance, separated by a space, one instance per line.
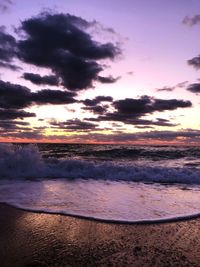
x=100 y=71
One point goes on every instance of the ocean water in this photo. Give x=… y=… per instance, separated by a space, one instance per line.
x=107 y=182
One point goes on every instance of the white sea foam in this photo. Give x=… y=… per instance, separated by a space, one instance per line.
x=106 y=190
x=114 y=201
x=25 y=162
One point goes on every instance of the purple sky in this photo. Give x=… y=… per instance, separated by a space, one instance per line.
x=149 y=69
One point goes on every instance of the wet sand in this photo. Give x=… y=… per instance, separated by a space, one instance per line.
x=34 y=239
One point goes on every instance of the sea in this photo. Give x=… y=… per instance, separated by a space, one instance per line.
x=112 y=183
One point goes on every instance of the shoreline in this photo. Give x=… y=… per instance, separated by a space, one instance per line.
x=179 y=218
x=29 y=239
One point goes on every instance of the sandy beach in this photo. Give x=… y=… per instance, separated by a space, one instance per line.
x=34 y=239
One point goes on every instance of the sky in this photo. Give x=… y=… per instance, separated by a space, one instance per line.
x=100 y=71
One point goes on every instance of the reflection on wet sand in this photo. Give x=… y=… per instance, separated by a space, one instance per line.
x=34 y=239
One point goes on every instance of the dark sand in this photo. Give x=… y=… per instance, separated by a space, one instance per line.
x=34 y=239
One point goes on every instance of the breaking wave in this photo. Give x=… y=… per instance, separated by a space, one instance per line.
x=26 y=162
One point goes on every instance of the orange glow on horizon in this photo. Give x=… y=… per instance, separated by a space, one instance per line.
x=96 y=142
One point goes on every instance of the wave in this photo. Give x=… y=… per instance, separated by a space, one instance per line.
x=155 y=153
x=26 y=162
x=109 y=152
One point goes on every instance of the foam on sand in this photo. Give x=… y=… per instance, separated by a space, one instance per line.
x=109 y=201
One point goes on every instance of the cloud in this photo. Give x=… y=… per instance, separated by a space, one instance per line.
x=170 y=104
x=23 y=134
x=61 y=43
x=14 y=96
x=54 y=97
x=130 y=111
x=191 y=21
x=94 y=106
x=130 y=73
x=172 y=88
x=10 y=66
x=168 y=89
x=103 y=99
x=147 y=105
x=96 y=100
x=12 y=114
x=186 y=136
x=144 y=127
x=13 y=125
x=182 y=84
x=108 y=79
x=41 y=80
x=183 y=136
x=194 y=62
x=172 y=135
x=12 y=128
x=194 y=88
x=13 y=99
x=96 y=109
x=163 y=122
x=137 y=122
x=73 y=125
x=8 y=48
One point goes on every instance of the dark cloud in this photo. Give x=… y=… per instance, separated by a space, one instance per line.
x=133 y=107
x=191 y=21
x=41 y=80
x=132 y=121
x=108 y=79
x=195 y=62
x=13 y=96
x=9 y=66
x=97 y=100
x=130 y=111
x=194 y=88
x=60 y=42
x=172 y=135
x=73 y=125
x=13 y=99
x=163 y=122
x=54 y=97
x=147 y=105
x=170 y=104
x=150 y=123
x=12 y=114
x=7 y=49
x=168 y=89
x=13 y=125
x=172 y=88
x=103 y=99
x=23 y=134
x=144 y=127
x=94 y=106
x=96 y=109
x=186 y=136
